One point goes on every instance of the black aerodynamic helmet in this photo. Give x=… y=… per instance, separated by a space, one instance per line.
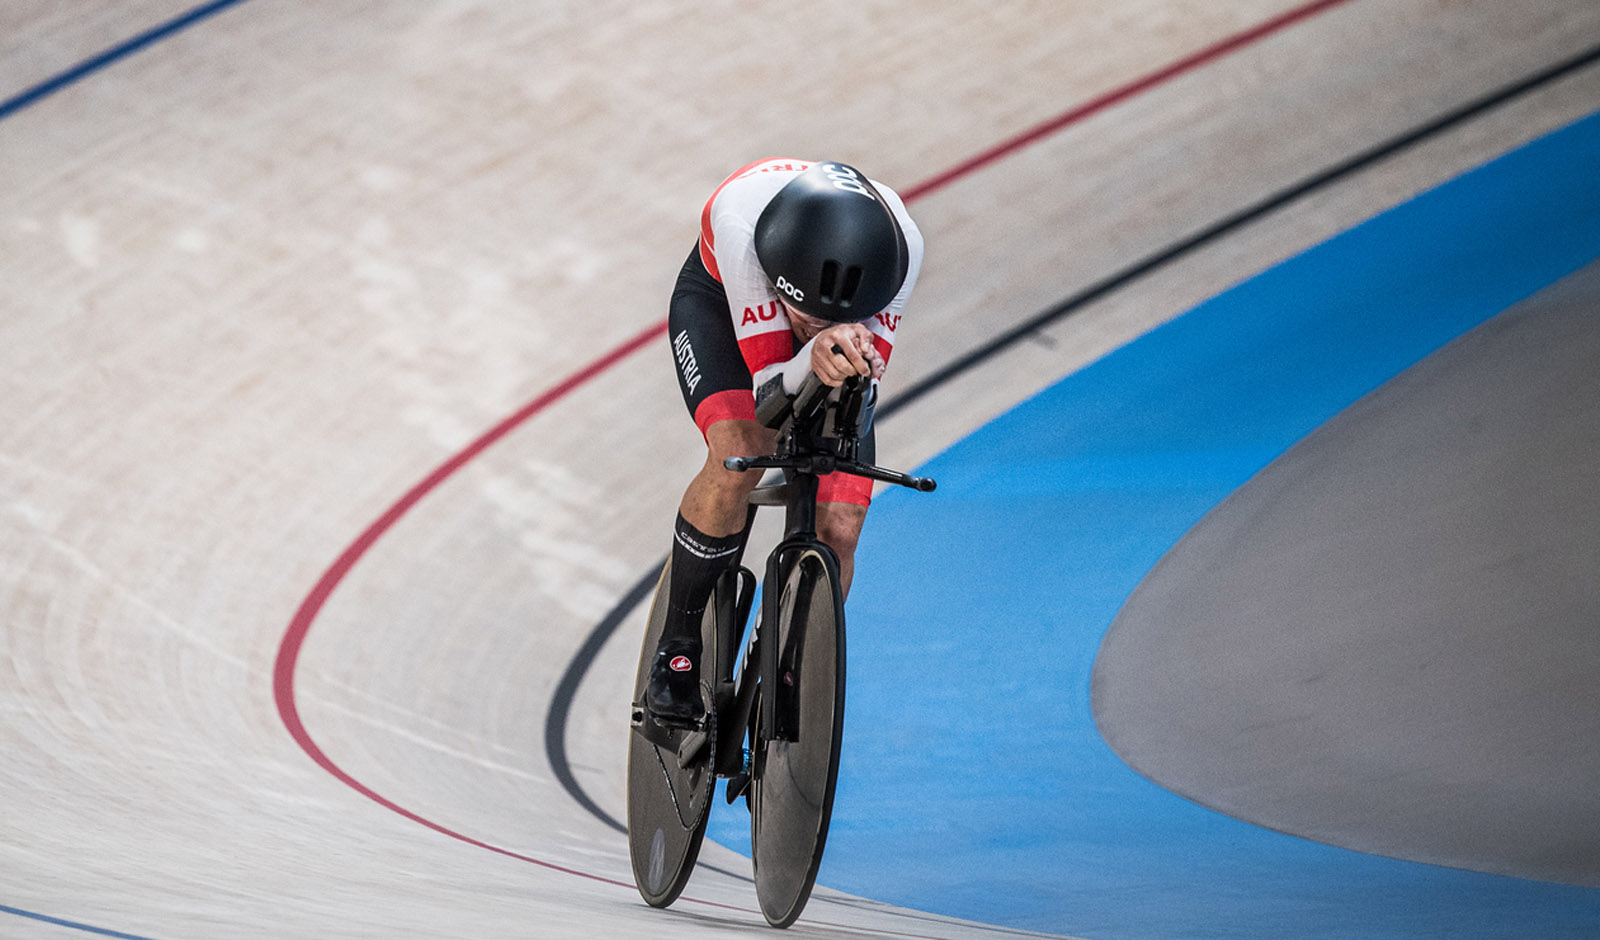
x=831 y=245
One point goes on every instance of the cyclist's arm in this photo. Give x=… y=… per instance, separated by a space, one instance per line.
x=833 y=355
x=791 y=371
x=779 y=383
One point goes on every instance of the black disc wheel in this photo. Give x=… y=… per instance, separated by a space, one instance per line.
x=796 y=768
x=670 y=785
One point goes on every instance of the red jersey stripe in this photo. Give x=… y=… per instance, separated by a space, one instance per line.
x=844 y=488
x=735 y=404
x=884 y=347
x=763 y=349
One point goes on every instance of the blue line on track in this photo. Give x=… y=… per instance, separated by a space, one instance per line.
x=116 y=53
x=45 y=918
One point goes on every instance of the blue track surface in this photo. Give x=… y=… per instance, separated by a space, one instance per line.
x=974 y=780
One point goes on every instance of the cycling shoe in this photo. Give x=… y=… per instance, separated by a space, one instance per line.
x=673 y=692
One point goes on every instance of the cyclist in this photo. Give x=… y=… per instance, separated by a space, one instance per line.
x=795 y=261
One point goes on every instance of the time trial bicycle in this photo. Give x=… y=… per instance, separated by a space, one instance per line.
x=773 y=726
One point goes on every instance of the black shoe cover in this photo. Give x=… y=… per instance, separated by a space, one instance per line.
x=673 y=693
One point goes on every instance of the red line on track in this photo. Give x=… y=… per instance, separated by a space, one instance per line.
x=1118 y=95
x=289 y=649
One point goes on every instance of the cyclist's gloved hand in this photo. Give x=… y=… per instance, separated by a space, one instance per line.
x=843 y=350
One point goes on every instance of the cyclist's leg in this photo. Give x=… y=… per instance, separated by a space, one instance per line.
x=716 y=389
x=839 y=526
x=716 y=501
x=841 y=510
x=842 y=502
x=708 y=532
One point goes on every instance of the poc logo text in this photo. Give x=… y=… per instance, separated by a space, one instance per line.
x=846 y=178
x=790 y=289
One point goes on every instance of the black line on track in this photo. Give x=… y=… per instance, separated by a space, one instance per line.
x=561 y=704
x=555 y=724
x=116 y=53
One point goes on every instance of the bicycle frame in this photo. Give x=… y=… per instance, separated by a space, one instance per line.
x=807 y=452
x=760 y=662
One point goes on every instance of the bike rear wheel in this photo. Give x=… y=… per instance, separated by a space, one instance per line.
x=796 y=769
x=668 y=797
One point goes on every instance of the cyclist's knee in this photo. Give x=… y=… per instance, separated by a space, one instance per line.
x=733 y=439
x=738 y=438
x=839 y=525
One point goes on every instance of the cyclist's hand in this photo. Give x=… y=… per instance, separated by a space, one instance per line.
x=856 y=355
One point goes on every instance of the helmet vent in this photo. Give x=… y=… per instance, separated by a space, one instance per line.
x=830 y=281
x=852 y=280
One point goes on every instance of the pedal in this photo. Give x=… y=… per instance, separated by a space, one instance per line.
x=691 y=747
x=661 y=732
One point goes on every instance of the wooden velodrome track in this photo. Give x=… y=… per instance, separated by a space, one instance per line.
x=260 y=673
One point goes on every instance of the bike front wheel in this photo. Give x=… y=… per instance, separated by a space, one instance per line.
x=797 y=767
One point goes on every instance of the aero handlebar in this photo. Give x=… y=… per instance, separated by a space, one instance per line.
x=809 y=443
